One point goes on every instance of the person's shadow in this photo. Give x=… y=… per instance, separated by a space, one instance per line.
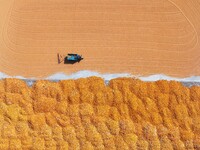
x=60 y=58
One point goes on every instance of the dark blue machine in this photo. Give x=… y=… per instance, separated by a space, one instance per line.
x=73 y=58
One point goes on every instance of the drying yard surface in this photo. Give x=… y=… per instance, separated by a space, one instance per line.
x=116 y=36
x=87 y=114
x=135 y=36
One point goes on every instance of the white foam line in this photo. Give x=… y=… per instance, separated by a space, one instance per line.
x=107 y=76
x=168 y=78
x=85 y=74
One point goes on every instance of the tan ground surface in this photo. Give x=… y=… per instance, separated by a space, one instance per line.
x=85 y=114
x=136 y=36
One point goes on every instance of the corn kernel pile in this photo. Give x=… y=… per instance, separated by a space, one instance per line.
x=86 y=114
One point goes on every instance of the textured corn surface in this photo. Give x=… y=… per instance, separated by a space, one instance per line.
x=86 y=114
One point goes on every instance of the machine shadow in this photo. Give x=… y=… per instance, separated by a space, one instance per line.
x=69 y=62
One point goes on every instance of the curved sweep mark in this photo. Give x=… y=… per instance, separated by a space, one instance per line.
x=186 y=18
x=12 y=50
x=197 y=60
